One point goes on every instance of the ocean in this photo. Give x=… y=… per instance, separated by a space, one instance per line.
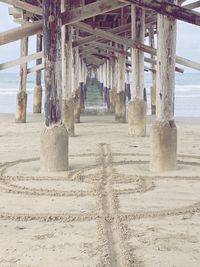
x=187 y=94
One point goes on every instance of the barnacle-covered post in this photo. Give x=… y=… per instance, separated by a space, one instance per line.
x=54 y=138
x=164 y=131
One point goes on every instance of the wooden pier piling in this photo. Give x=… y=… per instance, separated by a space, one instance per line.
x=137 y=106
x=37 y=94
x=54 y=137
x=164 y=132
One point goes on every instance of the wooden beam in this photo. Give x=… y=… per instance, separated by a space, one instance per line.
x=35 y=68
x=101 y=46
x=133 y=44
x=39 y=55
x=192 y=5
x=91 y=10
x=90 y=50
x=92 y=38
x=168 y=9
x=69 y=17
x=21 y=60
x=20 y=32
x=25 y=6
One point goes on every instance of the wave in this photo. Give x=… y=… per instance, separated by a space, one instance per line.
x=187 y=96
x=13 y=91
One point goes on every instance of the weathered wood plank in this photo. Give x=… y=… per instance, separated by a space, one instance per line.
x=91 y=10
x=132 y=44
x=25 y=6
x=35 y=68
x=20 y=32
x=92 y=38
x=70 y=17
x=20 y=60
x=168 y=9
x=192 y=5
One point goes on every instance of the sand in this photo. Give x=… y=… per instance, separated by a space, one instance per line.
x=108 y=209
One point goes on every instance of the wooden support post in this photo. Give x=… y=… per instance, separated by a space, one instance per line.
x=22 y=95
x=153 y=66
x=127 y=87
x=101 y=81
x=164 y=132
x=54 y=138
x=104 y=83
x=82 y=95
x=67 y=70
x=76 y=67
x=113 y=91
x=108 y=83
x=120 y=104
x=137 y=106
x=85 y=82
x=37 y=94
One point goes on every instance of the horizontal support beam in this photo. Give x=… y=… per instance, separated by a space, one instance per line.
x=35 y=68
x=25 y=6
x=72 y=16
x=20 y=32
x=132 y=44
x=92 y=38
x=91 y=10
x=168 y=9
x=95 y=51
x=19 y=61
x=192 y=5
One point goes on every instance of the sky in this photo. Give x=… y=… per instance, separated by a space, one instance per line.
x=188 y=41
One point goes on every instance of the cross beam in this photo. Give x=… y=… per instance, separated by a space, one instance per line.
x=68 y=17
x=132 y=44
x=168 y=9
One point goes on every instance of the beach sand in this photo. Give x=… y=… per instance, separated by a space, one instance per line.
x=108 y=209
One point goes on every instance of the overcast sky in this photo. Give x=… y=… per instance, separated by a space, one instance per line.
x=188 y=40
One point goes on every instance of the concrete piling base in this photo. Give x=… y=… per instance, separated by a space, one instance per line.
x=112 y=96
x=68 y=116
x=54 y=149
x=137 y=110
x=37 y=99
x=21 y=107
x=163 y=146
x=120 y=108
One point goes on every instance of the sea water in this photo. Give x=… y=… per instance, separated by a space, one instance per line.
x=187 y=93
